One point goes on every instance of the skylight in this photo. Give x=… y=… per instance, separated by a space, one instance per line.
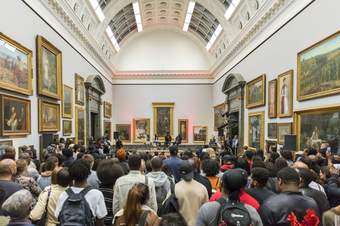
x=214 y=37
x=189 y=15
x=112 y=38
x=98 y=10
x=231 y=9
x=137 y=15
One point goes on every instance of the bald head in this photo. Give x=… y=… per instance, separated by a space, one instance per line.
x=8 y=168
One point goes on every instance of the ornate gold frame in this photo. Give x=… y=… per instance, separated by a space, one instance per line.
x=7 y=142
x=261 y=114
x=43 y=43
x=129 y=128
x=107 y=121
x=64 y=132
x=278 y=133
x=28 y=116
x=268 y=131
x=76 y=78
x=163 y=105
x=272 y=114
x=187 y=129
x=28 y=52
x=77 y=110
x=261 y=78
x=107 y=114
x=40 y=124
x=314 y=95
x=65 y=115
x=193 y=134
x=217 y=106
x=134 y=129
x=291 y=84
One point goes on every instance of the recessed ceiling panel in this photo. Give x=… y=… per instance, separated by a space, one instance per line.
x=103 y=3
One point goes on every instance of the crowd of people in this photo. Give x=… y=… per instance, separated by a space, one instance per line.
x=74 y=185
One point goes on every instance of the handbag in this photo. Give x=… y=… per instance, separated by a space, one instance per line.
x=43 y=219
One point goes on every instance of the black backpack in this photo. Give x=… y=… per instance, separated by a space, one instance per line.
x=170 y=205
x=76 y=211
x=232 y=214
x=161 y=194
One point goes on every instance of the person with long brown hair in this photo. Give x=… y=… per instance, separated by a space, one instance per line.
x=136 y=212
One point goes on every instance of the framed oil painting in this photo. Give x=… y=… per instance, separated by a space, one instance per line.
x=282 y=130
x=141 y=130
x=107 y=109
x=67 y=103
x=256 y=92
x=5 y=144
x=324 y=129
x=218 y=116
x=124 y=132
x=79 y=89
x=183 y=129
x=49 y=69
x=285 y=94
x=49 y=116
x=15 y=66
x=67 y=127
x=256 y=130
x=272 y=98
x=318 y=69
x=163 y=119
x=108 y=129
x=200 y=134
x=80 y=125
x=15 y=116
x=272 y=130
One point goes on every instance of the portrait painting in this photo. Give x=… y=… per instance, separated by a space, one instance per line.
x=285 y=94
x=256 y=130
x=79 y=89
x=256 y=92
x=49 y=69
x=49 y=116
x=16 y=116
x=200 y=134
x=282 y=130
x=107 y=109
x=5 y=144
x=318 y=69
x=141 y=130
x=67 y=127
x=108 y=129
x=163 y=119
x=124 y=132
x=67 y=103
x=183 y=129
x=15 y=66
x=324 y=129
x=272 y=130
x=218 y=116
x=80 y=125
x=272 y=98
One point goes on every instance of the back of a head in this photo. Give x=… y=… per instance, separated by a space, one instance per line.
x=249 y=154
x=25 y=156
x=156 y=163
x=67 y=152
x=173 y=150
x=135 y=161
x=261 y=175
x=172 y=219
x=210 y=167
x=63 y=177
x=243 y=164
x=89 y=159
x=233 y=180
x=79 y=170
x=280 y=163
x=306 y=176
x=21 y=166
x=288 y=155
x=18 y=205
x=7 y=167
x=121 y=154
x=288 y=175
x=108 y=172
x=51 y=163
x=9 y=153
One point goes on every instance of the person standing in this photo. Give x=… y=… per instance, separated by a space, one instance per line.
x=173 y=162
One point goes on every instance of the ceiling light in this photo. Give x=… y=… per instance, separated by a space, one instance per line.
x=231 y=9
x=213 y=38
x=191 y=7
x=97 y=10
x=112 y=38
x=138 y=17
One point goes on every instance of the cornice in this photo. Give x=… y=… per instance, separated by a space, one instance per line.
x=142 y=75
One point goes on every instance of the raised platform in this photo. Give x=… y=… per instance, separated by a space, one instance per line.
x=149 y=148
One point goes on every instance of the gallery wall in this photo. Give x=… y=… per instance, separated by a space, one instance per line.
x=279 y=54
x=20 y=23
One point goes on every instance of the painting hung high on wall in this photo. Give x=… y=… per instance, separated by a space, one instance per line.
x=124 y=132
x=256 y=92
x=282 y=130
x=141 y=130
x=49 y=116
x=49 y=69
x=272 y=98
x=318 y=67
x=67 y=127
x=108 y=130
x=200 y=134
x=5 y=144
x=163 y=119
x=285 y=94
x=80 y=125
x=16 y=116
x=256 y=130
x=15 y=66
x=324 y=129
x=67 y=103
x=272 y=130
x=218 y=116
x=107 y=109
x=183 y=129
x=79 y=89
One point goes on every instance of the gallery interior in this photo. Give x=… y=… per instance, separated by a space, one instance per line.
x=267 y=71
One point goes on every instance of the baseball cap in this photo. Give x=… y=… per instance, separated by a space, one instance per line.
x=186 y=170
x=234 y=179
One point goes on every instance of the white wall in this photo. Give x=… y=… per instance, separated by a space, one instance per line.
x=279 y=53
x=20 y=23
x=193 y=102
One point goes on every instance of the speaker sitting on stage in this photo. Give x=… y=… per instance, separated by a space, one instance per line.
x=167 y=139
x=178 y=140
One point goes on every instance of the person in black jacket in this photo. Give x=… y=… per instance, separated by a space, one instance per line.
x=332 y=188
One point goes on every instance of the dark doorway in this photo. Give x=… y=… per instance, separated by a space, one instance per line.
x=234 y=124
x=95 y=133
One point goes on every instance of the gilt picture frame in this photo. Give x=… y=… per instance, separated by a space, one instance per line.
x=67 y=127
x=67 y=103
x=107 y=109
x=272 y=98
x=272 y=130
x=282 y=130
x=256 y=92
x=183 y=129
x=256 y=130
x=163 y=119
x=141 y=130
x=107 y=126
x=48 y=116
x=124 y=132
x=80 y=133
x=200 y=134
x=79 y=90
x=285 y=83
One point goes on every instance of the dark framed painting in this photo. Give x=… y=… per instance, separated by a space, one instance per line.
x=256 y=92
x=256 y=130
x=324 y=129
x=163 y=119
x=15 y=116
x=318 y=69
x=141 y=130
x=124 y=132
x=67 y=127
x=200 y=134
x=272 y=130
x=272 y=98
x=271 y=146
x=107 y=109
x=183 y=129
x=108 y=129
x=49 y=69
x=49 y=116
x=67 y=103
x=285 y=94
x=15 y=66
x=80 y=125
x=5 y=144
x=218 y=116
x=79 y=90
x=282 y=130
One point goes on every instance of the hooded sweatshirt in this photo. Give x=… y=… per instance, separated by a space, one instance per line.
x=160 y=179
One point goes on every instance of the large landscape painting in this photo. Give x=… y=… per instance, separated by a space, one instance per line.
x=256 y=92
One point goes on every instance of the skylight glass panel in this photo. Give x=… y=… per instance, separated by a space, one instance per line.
x=214 y=37
x=112 y=38
x=231 y=9
x=188 y=16
x=97 y=9
x=138 y=17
